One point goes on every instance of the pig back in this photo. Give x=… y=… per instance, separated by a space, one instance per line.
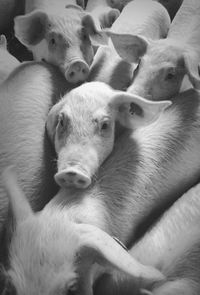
x=25 y=99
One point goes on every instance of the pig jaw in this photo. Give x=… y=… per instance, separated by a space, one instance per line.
x=76 y=167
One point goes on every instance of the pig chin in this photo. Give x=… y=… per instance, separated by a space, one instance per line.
x=76 y=173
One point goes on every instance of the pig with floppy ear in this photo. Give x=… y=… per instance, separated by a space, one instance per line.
x=82 y=128
x=162 y=64
x=62 y=39
x=50 y=254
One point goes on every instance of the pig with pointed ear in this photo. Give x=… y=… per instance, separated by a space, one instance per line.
x=63 y=39
x=162 y=65
x=82 y=128
x=50 y=254
x=168 y=66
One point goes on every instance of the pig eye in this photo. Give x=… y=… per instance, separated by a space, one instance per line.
x=61 y=120
x=52 y=42
x=104 y=125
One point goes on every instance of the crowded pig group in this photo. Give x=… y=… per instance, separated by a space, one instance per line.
x=99 y=148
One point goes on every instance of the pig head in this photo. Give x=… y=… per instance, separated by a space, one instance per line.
x=161 y=65
x=64 y=40
x=82 y=128
x=50 y=254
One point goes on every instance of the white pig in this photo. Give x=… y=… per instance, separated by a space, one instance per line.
x=163 y=64
x=82 y=128
x=51 y=254
x=152 y=22
x=173 y=247
x=172 y=6
x=61 y=36
x=147 y=169
x=103 y=14
x=7 y=61
x=25 y=99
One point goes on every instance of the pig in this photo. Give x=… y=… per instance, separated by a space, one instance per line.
x=102 y=13
x=7 y=61
x=148 y=168
x=26 y=97
x=59 y=35
x=172 y=246
x=172 y=6
x=167 y=66
x=153 y=22
x=51 y=254
x=82 y=128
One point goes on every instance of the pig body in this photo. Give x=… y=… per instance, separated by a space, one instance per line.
x=164 y=64
x=172 y=6
x=7 y=61
x=153 y=22
x=49 y=5
x=172 y=246
x=59 y=34
x=25 y=99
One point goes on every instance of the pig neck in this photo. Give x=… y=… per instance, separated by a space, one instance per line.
x=147 y=170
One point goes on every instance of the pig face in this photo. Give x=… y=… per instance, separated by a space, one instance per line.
x=49 y=254
x=161 y=68
x=82 y=128
x=63 y=40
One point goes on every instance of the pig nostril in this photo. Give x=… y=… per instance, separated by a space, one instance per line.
x=71 y=74
x=71 y=174
x=82 y=182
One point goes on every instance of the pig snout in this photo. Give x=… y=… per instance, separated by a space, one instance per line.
x=73 y=177
x=78 y=71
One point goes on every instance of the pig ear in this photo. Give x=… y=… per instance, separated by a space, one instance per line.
x=133 y=111
x=129 y=47
x=97 y=37
x=20 y=206
x=99 y=247
x=30 y=29
x=192 y=69
x=52 y=121
x=3 y=42
x=110 y=17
